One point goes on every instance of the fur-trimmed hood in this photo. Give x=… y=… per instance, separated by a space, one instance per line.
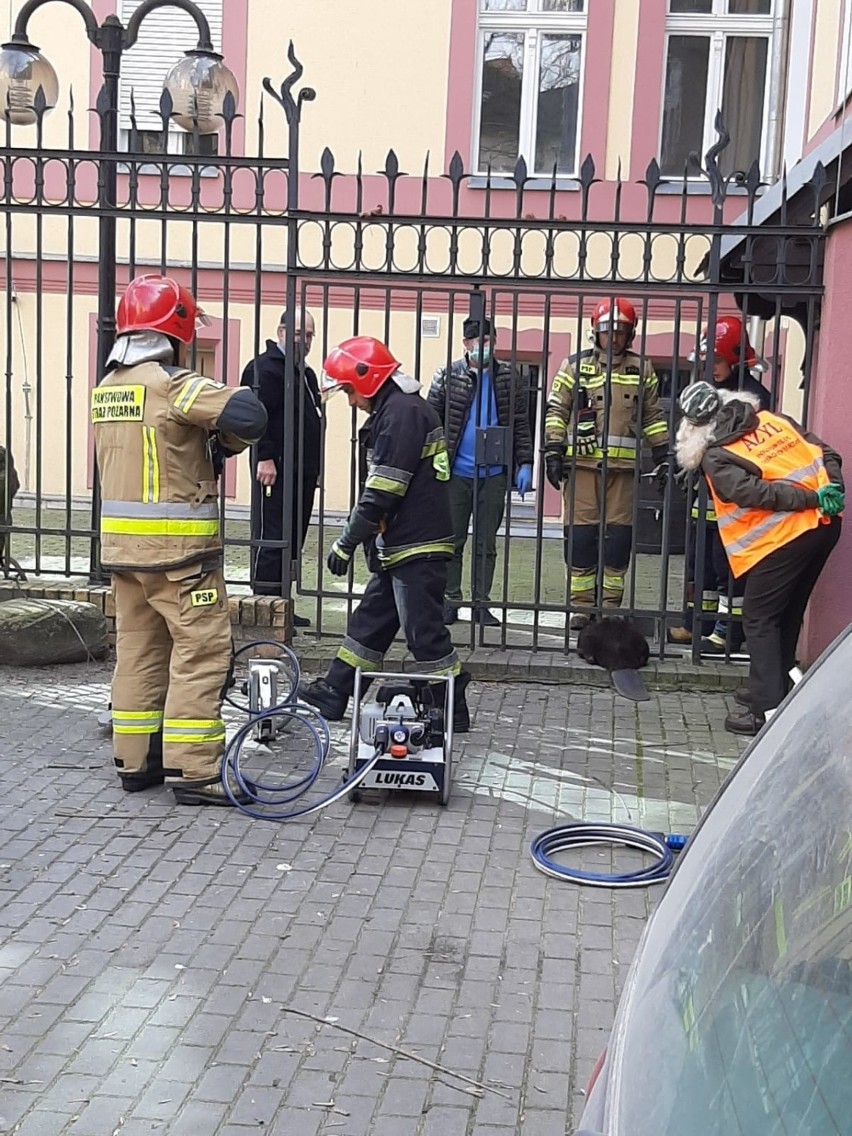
x=737 y=415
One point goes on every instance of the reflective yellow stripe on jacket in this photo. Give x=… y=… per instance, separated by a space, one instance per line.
x=150 y=465
x=154 y=518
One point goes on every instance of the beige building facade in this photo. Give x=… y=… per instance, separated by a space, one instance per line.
x=476 y=77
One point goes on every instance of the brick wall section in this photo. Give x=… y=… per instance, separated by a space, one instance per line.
x=252 y=617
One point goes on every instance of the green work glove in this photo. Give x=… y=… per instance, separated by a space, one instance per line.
x=831 y=500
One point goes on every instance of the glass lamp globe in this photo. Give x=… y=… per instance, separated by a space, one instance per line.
x=198 y=85
x=23 y=69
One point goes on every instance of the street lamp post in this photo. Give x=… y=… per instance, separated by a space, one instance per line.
x=198 y=86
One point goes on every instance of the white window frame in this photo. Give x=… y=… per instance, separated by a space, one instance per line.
x=844 y=77
x=533 y=23
x=167 y=32
x=717 y=26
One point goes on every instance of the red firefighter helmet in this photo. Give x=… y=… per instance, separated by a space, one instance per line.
x=607 y=313
x=362 y=363
x=158 y=303
x=731 y=343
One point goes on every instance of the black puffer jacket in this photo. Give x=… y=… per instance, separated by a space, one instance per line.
x=453 y=399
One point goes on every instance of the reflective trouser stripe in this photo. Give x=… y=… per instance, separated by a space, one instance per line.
x=137 y=721
x=583 y=584
x=448 y=665
x=732 y=607
x=613 y=585
x=709 y=601
x=355 y=654
x=193 y=731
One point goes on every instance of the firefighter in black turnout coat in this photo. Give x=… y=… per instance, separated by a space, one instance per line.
x=403 y=519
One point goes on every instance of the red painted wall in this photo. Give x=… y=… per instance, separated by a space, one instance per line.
x=830 y=417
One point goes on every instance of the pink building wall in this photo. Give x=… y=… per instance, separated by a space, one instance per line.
x=830 y=418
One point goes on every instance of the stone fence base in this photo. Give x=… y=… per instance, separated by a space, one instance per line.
x=252 y=617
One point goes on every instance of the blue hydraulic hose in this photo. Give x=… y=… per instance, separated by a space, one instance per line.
x=276 y=796
x=583 y=835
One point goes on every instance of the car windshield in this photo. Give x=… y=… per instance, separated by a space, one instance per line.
x=738 y=1014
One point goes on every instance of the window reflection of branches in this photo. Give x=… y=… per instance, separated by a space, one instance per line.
x=531 y=70
x=499 y=133
x=558 y=103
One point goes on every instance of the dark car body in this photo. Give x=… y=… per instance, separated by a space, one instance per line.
x=736 y=1017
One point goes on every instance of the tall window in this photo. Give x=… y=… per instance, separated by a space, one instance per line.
x=530 y=71
x=718 y=56
x=844 y=82
x=164 y=35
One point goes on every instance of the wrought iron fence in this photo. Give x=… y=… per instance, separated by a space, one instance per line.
x=406 y=257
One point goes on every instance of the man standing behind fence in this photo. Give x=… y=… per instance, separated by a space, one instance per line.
x=270 y=567
x=603 y=404
x=479 y=400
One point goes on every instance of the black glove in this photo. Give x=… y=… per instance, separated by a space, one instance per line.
x=217 y=455
x=662 y=464
x=587 y=433
x=357 y=530
x=660 y=476
x=554 y=461
x=339 y=558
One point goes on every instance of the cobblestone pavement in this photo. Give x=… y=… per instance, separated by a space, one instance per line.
x=152 y=955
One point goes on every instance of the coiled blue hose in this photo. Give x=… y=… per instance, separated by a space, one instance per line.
x=265 y=797
x=586 y=835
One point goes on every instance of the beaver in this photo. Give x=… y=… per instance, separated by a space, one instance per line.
x=615 y=644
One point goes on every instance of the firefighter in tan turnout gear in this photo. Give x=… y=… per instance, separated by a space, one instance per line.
x=603 y=402
x=160 y=430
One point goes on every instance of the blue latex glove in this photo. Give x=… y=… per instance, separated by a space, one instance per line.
x=524 y=479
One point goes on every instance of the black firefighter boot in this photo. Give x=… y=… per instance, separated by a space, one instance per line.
x=461 y=713
x=152 y=775
x=324 y=697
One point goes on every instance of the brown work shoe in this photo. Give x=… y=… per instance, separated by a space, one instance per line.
x=746 y=722
x=743 y=695
x=210 y=791
x=578 y=621
x=679 y=635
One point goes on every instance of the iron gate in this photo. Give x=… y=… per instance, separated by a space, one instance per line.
x=405 y=257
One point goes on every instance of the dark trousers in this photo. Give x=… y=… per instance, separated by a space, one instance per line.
x=270 y=567
x=410 y=596
x=490 y=507
x=715 y=575
x=776 y=595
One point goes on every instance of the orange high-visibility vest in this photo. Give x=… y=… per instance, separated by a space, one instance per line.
x=781 y=454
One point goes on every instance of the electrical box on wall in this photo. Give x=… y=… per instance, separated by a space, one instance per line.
x=430 y=327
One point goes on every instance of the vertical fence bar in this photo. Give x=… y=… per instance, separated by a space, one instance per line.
x=69 y=343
